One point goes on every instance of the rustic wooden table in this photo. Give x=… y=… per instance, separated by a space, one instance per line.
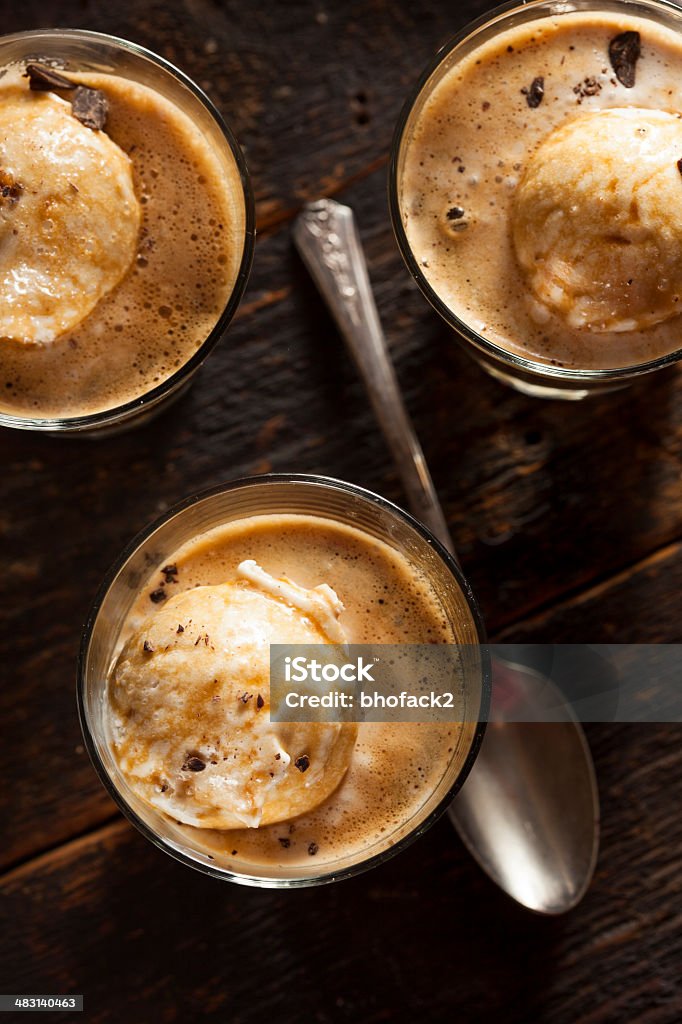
x=568 y=520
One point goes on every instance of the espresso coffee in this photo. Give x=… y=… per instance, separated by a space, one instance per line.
x=383 y=773
x=540 y=189
x=187 y=252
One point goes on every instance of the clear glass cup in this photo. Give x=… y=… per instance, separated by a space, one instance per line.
x=529 y=376
x=75 y=51
x=271 y=494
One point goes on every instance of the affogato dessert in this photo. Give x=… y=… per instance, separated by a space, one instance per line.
x=122 y=232
x=541 y=189
x=188 y=698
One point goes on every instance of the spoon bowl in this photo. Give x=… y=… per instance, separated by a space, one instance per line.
x=538 y=840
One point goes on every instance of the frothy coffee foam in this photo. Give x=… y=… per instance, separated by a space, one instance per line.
x=470 y=148
x=190 y=248
x=395 y=766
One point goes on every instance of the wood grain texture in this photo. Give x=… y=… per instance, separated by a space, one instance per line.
x=568 y=519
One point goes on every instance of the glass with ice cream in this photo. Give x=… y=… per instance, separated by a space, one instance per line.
x=174 y=681
x=536 y=190
x=126 y=231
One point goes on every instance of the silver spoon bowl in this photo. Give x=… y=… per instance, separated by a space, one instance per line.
x=529 y=811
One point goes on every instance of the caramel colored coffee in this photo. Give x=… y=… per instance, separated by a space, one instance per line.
x=540 y=189
x=394 y=767
x=189 y=251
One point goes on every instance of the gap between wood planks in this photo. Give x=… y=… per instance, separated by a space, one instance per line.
x=270 y=223
x=113 y=824
x=599 y=584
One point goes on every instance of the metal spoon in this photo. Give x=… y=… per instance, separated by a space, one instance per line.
x=529 y=810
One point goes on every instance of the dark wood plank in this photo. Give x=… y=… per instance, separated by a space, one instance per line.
x=425 y=937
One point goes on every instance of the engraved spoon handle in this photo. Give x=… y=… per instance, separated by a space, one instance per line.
x=327 y=239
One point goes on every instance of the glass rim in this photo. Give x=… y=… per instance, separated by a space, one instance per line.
x=260 y=480
x=121 y=413
x=515 y=361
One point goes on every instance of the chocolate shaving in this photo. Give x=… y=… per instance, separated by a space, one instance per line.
x=42 y=79
x=9 y=188
x=170 y=572
x=454 y=213
x=535 y=94
x=246 y=697
x=180 y=629
x=259 y=702
x=90 y=107
x=286 y=843
x=148 y=646
x=302 y=763
x=312 y=849
x=157 y=596
x=624 y=52
x=588 y=87
x=679 y=166
x=193 y=764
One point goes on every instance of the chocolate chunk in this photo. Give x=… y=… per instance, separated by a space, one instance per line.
x=455 y=213
x=148 y=646
x=302 y=763
x=164 y=787
x=624 y=52
x=41 y=78
x=312 y=849
x=193 y=764
x=535 y=94
x=286 y=842
x=157 y=596
x=180 y=629
x=10 y=189
x=90 y=107
x=259 y=702
x=679 y=166
x=234 y=853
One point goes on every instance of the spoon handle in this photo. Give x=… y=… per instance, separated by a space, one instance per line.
x=327 y=239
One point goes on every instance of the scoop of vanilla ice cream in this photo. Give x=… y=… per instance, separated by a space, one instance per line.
x=597 y=220
x=69 y=217
x=189 y=697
